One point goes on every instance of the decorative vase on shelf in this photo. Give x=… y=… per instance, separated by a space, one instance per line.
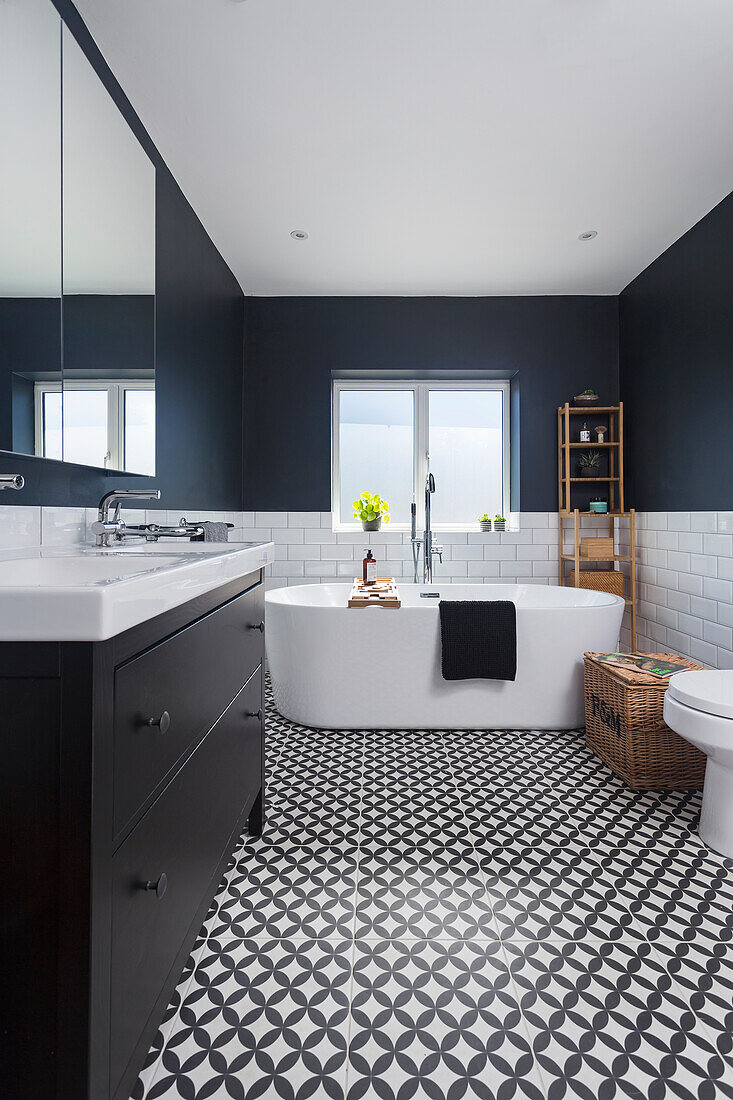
x=500 y=525
x=485 y=524
x=372 y=524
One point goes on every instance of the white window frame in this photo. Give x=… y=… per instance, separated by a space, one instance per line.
x=116 y=389
x=420 y=391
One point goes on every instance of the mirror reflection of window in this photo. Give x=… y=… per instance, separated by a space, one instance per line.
x=139 y=431
x=106 y=423
x=51 y=424
x=86 y=434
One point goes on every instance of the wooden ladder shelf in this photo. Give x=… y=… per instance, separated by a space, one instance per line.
x=613 y=479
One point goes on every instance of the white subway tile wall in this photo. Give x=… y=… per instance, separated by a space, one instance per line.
x=685 y=585
x=684 y=560
x=308 y=550
x=23 y=526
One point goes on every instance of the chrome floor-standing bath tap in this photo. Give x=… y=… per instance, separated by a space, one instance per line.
x=429 y=550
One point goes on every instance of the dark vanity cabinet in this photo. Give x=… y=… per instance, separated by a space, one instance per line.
x=131 y=767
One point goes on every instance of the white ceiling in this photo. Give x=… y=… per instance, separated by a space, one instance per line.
x=434 y=146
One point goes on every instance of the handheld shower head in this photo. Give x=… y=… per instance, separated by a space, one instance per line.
x=430 y=483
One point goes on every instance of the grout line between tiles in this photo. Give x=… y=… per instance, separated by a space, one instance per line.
x=525 y=1025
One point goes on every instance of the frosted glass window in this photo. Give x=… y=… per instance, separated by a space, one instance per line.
x=465 y=442
x=139 y=431
x=387 y=435
x=376 y=449
x=86 y=432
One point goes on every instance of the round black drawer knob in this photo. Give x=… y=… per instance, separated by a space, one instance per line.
x=159 y=886
x=254 y=714
x=163 y=723
x=258 y=626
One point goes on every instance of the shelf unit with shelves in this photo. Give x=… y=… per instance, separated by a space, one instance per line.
x=613 y=447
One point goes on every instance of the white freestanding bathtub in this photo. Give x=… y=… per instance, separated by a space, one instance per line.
x=379 y=668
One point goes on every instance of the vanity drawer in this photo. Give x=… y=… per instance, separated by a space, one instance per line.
x=182 y=836
x=183 y=684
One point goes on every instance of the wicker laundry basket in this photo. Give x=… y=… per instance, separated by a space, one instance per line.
x=625 y=728
x=601 y=580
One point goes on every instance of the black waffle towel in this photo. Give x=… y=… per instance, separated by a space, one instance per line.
x=479 y=639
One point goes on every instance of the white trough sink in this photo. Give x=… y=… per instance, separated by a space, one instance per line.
x=89 y=594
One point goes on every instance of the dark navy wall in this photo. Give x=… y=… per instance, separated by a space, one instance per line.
x=199 y=339
x=557 y=346
x=676 y=372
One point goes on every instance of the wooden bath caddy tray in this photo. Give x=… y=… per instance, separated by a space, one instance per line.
x=383 y=593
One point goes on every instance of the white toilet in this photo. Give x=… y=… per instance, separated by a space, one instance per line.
x=699 y=707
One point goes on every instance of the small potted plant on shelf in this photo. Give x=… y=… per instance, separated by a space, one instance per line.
x=590 y=463
x=372 y=510
x=484 y=522
x=587 y=397
x=499 y=522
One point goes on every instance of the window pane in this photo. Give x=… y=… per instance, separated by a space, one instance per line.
x=376 y=449
x=85 y=427
x=466 y=454
x=140 y=431
x=52 y=425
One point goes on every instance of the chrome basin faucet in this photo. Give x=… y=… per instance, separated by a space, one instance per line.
x=11 y=481
x=112 y=530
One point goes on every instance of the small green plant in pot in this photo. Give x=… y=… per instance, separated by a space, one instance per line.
x=484 y=522
x=587 y=397
x=372 y=510
x=590 y=463
x=499 y=522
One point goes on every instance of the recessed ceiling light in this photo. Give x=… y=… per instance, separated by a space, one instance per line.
x=299 y=234
x=588 y=235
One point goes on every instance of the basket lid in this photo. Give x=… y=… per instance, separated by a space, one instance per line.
x=635 y=677
x=710 y=691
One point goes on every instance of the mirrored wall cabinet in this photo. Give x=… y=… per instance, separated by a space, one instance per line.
x=77 y=256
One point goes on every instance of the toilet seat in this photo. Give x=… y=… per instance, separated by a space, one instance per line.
x=708 y=691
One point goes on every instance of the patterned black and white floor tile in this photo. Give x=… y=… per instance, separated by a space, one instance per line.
x=405 y=894
x=705 y=973
x=457 y=914
x=606 y=1019
x=287 y=892
x=261 y=1018
x=438 y=1019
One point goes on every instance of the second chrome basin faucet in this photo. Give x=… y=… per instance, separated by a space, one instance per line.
x=112 y=530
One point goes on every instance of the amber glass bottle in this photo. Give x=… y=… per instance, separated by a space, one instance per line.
x=369 y=568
